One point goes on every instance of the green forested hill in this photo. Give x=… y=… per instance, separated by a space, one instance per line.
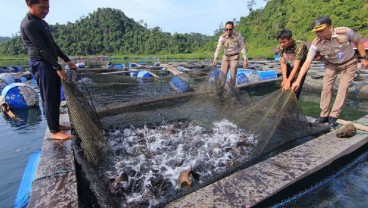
x=3 y=39
x=261 y=26
x=109 y=32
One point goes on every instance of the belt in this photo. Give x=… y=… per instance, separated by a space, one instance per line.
x=354 y=57
x=228 y=55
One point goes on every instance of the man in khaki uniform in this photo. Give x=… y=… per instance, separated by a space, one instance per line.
x=336 y=48
x=233 y=44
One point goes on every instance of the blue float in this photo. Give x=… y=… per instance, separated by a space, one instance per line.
x=119 y=66
x=244 y=76
x=241 y=78
x=142 y=74
x=27 y=179
x=6 y=79
x=266 y=75
x=132 y=65
x=180 y=85
x=20 y=96
x=17 y=69
x=251 y=75
x=21 y=79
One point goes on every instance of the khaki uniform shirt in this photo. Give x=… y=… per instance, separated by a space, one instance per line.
x=337 y=50
x=232 y=45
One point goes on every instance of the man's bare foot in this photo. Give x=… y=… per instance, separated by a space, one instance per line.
x=61 y=136
x=64 y=128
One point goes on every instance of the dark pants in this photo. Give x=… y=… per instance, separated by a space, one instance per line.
x=299 y=90
x=49 y=83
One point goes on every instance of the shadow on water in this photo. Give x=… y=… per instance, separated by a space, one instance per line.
x=25 y=118
x=19 y=138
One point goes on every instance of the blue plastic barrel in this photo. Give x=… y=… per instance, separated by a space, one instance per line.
x=241 y=78
x=142 y=73
x=20 y=96
x=132 y=65
x=7 y=78
x=21 y=79
x=27 y=179
x=119 y=66
x=17 y=69
x=214 y=75
x=266 y=75
x=180 y=85
x=7 y=69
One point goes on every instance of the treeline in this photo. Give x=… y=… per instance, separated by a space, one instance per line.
x=261 y=26
x=3 y=39
x=109 y=32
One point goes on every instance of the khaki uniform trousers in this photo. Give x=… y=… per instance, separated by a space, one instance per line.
x=228 y=62
x=347 y=72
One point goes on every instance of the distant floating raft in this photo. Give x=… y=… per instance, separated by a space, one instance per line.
x=20 y=96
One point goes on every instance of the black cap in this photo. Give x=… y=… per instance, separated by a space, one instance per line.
x=321 y=23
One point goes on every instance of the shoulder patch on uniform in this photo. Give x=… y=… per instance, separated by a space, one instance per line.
x=341 y=31
x=316 y=41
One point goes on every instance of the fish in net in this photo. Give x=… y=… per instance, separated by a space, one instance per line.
x=141 y=135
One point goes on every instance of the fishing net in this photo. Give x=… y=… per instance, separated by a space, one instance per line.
x=151 y=140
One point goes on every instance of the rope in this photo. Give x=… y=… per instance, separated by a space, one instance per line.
x=343 y=170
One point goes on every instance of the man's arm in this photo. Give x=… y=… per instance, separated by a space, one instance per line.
x=243 y=51
x=295 y=69
x=362 y=53
x=217 y=51
x=283 y=70
x=302 y=72
x=287 y=84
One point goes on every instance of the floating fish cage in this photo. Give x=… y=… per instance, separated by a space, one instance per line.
x=148 y=143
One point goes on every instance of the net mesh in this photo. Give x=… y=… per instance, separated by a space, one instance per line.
x=141 y=134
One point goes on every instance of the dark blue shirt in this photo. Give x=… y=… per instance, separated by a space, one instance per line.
x=37 y=38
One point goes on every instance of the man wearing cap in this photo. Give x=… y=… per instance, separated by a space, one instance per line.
x=335 y=45
x=233 y=44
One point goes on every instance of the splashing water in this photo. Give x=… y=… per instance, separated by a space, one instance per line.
x=147 y=162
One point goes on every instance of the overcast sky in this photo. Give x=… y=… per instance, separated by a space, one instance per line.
x=182 y=16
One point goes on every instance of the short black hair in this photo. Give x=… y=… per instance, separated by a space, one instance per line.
x=230 y=23
x=35 y=1
x=285 y=33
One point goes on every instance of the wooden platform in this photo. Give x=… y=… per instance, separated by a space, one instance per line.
x=251 y=186
x=55 y=183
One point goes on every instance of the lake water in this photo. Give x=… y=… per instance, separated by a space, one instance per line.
x=19 y=138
